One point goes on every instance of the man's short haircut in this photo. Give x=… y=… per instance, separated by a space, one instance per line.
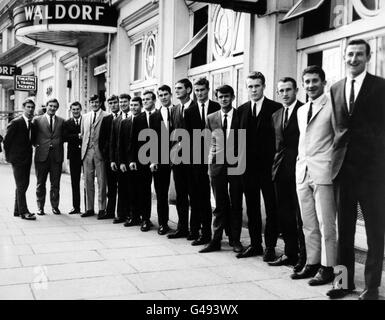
x=257 y=75
x=224 y=89
x=289 y=79
x=28 y=100
x=94 y=97
x=186 y=82
x=153 y=96
x=164 y=87
x=202 y=82
x=124 y=96
x=314 y=69
x=54 y=100
x=137 y=99
x=112 y=97
x=358 y=42
x=75 y=104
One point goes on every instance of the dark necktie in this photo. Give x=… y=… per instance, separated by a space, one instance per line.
x=203 y=115
x=225 y=125
x=77 y=122
x=182 y=110
x=168 y=118
x=351 y=97
x=29 y=128
x=255 y=111
x=286 y=117
x=93 y=121
x=310 y=112
x=50 y=123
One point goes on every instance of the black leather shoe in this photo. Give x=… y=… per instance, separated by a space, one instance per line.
x=88 y=213
x=118 y=220
x=15 y=214
x=283 y=260
x=300 y=264
x=162 y=230
x=132 y=222
x=237 y=247
x=369 y=294
x=177 y=234
x=74 y=211
x=250 y=252
x=211 y=247
x=56 y=211
x=28 y=216
x=200 y=241
x=102 y=215
x=40 y=212
x=338 y=293
x=324 y=275
x=309 y=271
x=145 y=226
x=192 y=236
x=269 y=255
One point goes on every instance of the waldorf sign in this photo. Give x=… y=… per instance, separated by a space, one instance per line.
x=60 y=22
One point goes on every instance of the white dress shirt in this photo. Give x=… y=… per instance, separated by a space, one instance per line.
x=164 y=112
x=357 y=86
x=148 y=115
x=206 y=108
x=26 y=120
x=291 y=108
x=53 y=119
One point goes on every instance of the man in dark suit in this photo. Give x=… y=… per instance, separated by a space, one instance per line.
x=182 y=171
x=160 y=122
x=122 y=211
x=132 y=160
x=49 y=155
x=227 y=187
x=195 y=119
x=255 y=117
x=18 y=151
x=286 y=150
x=111 y=170
x=74 y=147
x=358 y=166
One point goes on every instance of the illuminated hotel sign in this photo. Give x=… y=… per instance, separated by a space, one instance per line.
x=59 y=23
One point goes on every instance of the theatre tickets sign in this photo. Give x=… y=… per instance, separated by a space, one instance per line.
x=58 y=22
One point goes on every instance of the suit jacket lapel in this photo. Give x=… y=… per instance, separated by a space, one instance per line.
x=98 y=118
x=293 y=116
x=317 y=108
x=340 y=98
x=278 y=119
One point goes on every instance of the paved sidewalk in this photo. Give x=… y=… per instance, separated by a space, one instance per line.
x=68 y=257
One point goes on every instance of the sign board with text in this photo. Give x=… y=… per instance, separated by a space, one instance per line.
x=8 y=70
x=25 y=83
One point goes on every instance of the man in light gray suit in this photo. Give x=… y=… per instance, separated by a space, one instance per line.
x=93 y=162
x=314 y=180
x=49 y=154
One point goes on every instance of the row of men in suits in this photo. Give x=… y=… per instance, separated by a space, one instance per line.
x=313 y=163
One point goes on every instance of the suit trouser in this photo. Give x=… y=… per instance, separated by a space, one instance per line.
x=289 y=216
x=124 y=195
x=253 y=183
x=112 y=187
x=42 y=169
x=162 y=184
x=93 y=165
x=370 y=194
x=21 y=174
x=182 y=180
x=201 y=211
x=318 y=211
x=228 y=206
x=141 y=196
x=75 y=170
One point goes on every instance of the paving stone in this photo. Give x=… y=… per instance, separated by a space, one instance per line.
x=88 y=270
x=59 y=258
x=156 y=281
x=139 y=296
x=9 y=261
x=46 y=238
x=234 y=291
x=89 y=288
x=14 y=250
x=67 y=246
x=127 y=253
x=169 y=263
x=16 y=292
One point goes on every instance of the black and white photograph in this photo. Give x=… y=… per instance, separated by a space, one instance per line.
x=191 y=157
